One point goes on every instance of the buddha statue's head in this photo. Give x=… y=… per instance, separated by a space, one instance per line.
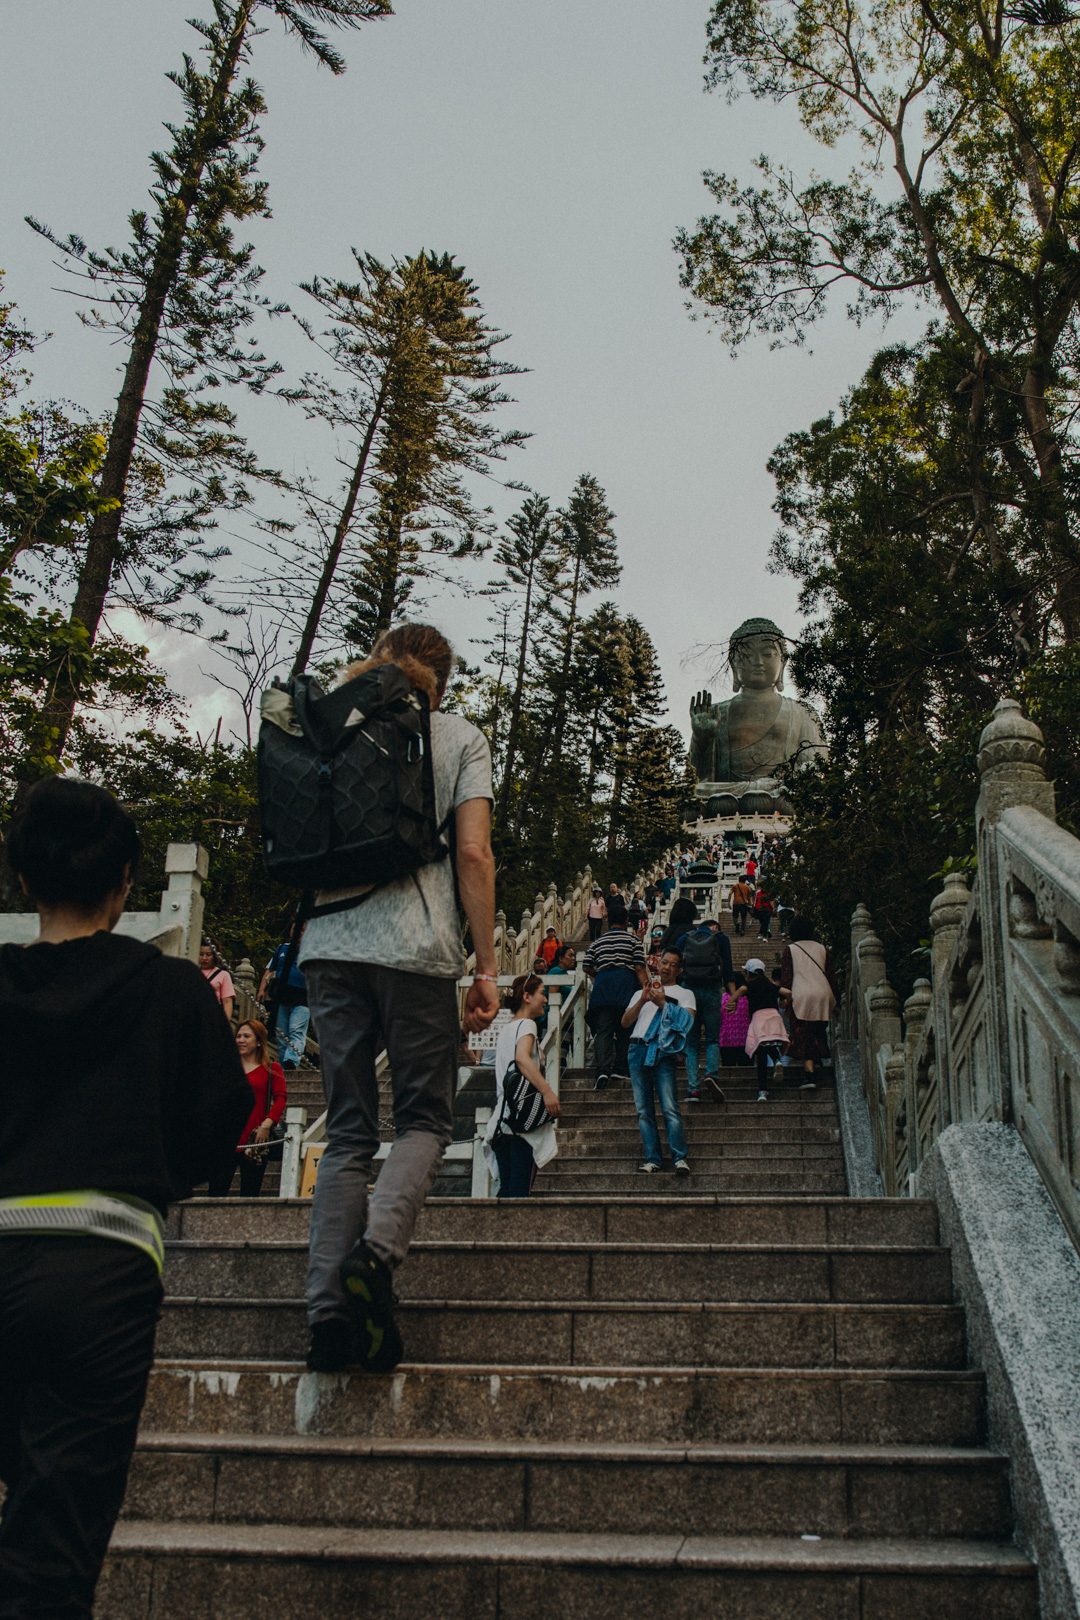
x=757 y=653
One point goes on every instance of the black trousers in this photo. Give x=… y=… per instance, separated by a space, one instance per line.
x=738 y=917
x=77 y=1323
x=596 y=926
x=611 y=1043
x=517 y=1167
x=251 y=1176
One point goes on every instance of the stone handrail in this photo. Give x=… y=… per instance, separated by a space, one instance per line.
x=994 y=1033
x=175 y=928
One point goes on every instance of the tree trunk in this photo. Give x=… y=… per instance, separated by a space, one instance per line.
x=96 y=572
x=341 y=529
x=1047 y=449
x=515 y=706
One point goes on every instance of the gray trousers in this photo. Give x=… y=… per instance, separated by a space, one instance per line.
x=358 y=1008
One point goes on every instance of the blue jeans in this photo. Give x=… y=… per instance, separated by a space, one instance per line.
x=292 y=1028
x=710 y=998
x=652 y=1081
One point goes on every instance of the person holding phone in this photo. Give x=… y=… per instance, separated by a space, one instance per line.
x=656 y=1079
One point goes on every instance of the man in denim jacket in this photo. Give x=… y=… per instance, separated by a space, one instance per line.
x=660 y=1017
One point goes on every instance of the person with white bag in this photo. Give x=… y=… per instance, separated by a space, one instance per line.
x=520 y=1137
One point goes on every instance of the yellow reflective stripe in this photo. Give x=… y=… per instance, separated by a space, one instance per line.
x=95 y=1214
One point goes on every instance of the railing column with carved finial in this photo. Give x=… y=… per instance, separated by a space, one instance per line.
x=1012 y=758
x=947 y=913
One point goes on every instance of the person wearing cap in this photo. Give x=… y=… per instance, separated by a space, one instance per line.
x=596 y=913
x=767 y=1036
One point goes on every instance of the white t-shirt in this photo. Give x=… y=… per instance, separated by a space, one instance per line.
x=413 y=924
x=506 y=1050
x=677 y=992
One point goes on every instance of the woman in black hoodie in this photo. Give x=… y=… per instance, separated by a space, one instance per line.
x=120 y=1086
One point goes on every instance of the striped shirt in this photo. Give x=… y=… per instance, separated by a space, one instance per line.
x=618 y=948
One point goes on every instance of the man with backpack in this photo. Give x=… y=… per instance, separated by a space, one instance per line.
x=382 y=969
x=706 y=970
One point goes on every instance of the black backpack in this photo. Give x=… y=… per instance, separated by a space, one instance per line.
x=346 y=785
x=701 y=957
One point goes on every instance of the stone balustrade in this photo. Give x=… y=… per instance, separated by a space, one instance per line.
x=993 y=1035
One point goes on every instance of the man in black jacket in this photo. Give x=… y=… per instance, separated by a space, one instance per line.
x=120 y=1087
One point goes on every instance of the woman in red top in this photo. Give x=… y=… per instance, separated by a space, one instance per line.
x=267 y=1083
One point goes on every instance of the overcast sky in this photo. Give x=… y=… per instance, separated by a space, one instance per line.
x=554 y=148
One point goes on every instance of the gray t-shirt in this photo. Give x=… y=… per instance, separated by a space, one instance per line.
x=413 y=924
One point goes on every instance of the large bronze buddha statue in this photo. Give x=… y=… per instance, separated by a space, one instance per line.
x=743 y=741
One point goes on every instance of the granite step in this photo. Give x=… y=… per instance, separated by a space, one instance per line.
x=590 y=1487
x=496 y=1401
x=594 y=1333
x=550 y=1270
x=165 y=1571
x=704 y=1218
x=711 y=1179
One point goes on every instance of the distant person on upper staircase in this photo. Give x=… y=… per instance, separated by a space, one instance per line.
x=121 y=1089
x=596 y=912
x=742 y=898
x=616 y=965
x=289 y=1002
x=763 y=912
x=657 y=1021
x=813 y=992
x=638 y=913
x=550 y=948
x=217 y=977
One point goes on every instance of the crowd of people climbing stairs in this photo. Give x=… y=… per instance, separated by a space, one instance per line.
x=133 y=1089
x=654 y=1014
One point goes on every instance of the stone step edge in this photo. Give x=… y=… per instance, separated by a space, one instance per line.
x=779 y=1455
x=765 y=1554
x=598 y=1306
x=574 y=1246
x=211 y=1367
x=711 y=1200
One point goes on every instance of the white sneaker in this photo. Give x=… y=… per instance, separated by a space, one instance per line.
x=681 y=1167
x=649 y=1169
x=763 y=1096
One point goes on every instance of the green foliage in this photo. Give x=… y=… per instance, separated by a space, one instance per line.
x=414 y=379
x=964 y=191
x=182 y=789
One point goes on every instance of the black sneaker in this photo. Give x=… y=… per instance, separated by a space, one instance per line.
x=716 y=1087
x=369 y=1294
x=331 y=1345
x=600 y=1083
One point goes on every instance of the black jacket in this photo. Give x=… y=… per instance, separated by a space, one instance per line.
x=118 y=1071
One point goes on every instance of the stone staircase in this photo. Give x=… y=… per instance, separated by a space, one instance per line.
x=742 y=1394
x=791 y=1144
x=749 y=1407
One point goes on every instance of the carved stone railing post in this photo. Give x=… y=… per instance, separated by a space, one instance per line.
x=947 y=912
x=917 y=1008
x=186 y=865
x=1011 y=771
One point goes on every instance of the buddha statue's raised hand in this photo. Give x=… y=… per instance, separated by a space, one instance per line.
x=703 y=717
